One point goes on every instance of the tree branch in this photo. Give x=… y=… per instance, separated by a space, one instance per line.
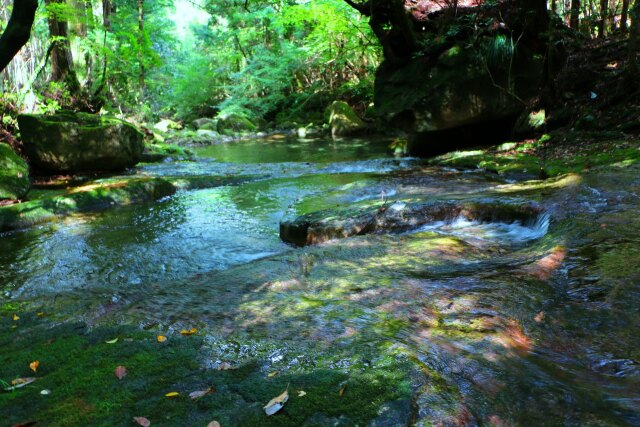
x=18 y=30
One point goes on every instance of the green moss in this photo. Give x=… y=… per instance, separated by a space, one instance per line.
x=94 y=196
x=159 y=152
x=14 y=174
x=77 y=366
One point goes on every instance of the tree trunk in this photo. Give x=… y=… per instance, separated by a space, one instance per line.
x=141 y=75
x=18 y=30
x=632 y=67
x=61 y=58
x=574 y=21
x=602 y=22
x=107 y=10
x=624 y=17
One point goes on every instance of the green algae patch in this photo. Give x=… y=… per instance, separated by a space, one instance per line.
x=95 y=196
x=525 y=158
x=160 y=152
x=559 y=182
x=14 y=174
x=77 y=366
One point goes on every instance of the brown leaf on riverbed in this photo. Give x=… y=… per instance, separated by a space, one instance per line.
x=142 y=421
x=188 y=331
x=34 y=365
x=277 y=402
x=198 y=394
x=120 y=372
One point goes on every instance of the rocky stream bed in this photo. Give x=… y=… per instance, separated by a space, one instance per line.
x=413 y=293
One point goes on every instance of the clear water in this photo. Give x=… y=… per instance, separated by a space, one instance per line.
x=505 y=323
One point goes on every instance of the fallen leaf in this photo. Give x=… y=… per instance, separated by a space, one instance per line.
x=34 y=365
x=113 y=341
x=120 y=372
x=161 y=338
x=302 y=393
x=539 y=317
x=272 y=374
x=225 y=366
x=277 y=402
x=189 y=332
x=341 y=393
x=16 y=317
x=198 y=394
x=172 y=394
x=213 y=424
x=27 y=424
x=40 y=314
x=20 y=382
x=45 y=392
x=142 y=421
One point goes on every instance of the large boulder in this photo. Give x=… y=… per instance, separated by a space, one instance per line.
x=79 y=142
x=14 y=174
x=205 y=123
x=342 y=120
x=234 y=123
x=468 y=91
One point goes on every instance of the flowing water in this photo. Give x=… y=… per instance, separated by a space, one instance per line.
x=466 y=321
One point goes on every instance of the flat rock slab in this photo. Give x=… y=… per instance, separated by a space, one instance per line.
x=318 y=227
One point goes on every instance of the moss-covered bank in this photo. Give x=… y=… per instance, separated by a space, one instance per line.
x=95 y=196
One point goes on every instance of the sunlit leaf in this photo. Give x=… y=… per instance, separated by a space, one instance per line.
x=272 y=374
x=16 y=317
x=302 y=393
x=161 y=338
x=113 y=341
x=34 y=365
x=142 y=421
x=172 y=394
x=120 y=372
x=277 y=402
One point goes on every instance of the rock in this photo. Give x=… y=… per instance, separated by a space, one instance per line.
x=342 y=120
x=234 y=123
x=79 y=142
x=14 y=174
x=458 y=97
x=94 y=196
x=205 y=123
x=393 y=414
x=322 y=226
x=208 y=135
x=166 y=125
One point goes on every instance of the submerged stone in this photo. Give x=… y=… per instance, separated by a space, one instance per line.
x=80 y=142
x=14 y=174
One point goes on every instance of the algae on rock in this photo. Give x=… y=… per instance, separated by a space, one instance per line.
x=80 y=142
x=14 y=174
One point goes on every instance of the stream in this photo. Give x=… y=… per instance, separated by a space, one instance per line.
x=459 y=321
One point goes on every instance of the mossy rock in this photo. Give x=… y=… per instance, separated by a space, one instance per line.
x=343 y=120
x=235 y=123
x=14 y=174
x=205 y=123
x=80 y=142
x=91 y=197
x=166 y=125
